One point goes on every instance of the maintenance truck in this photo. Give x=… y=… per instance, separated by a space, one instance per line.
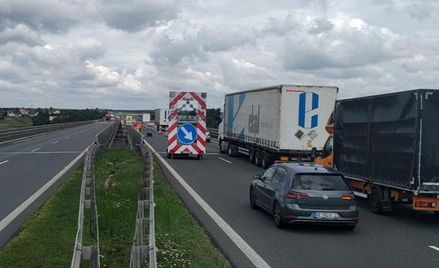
x=387 y=147
x=276 y=123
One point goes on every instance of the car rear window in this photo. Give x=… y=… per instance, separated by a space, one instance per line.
x=320 y=182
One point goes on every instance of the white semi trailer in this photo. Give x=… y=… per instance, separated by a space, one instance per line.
x=276 y=123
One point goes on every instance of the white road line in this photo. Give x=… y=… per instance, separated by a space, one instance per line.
x=67 y=138
x=14 y=214
x=76 y=134
x=225 y=160
x=433 y=247
x=4 y=162
x=55 y=152
x=55 y=142
x=34 y=150
x=232 y=234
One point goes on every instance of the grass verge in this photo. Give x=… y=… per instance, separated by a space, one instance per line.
x=47 y=238
x=118 y=181
x=179 y=238
x=11 y=122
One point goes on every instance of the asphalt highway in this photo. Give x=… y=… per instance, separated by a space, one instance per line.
x=28 y=165
x=404 y=238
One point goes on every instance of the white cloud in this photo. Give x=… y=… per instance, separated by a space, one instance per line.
x=129 y=54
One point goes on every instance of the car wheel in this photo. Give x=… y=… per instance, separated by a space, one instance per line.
x=349 y=227
x=375 y=201
x=252 y=199
x=277 y=215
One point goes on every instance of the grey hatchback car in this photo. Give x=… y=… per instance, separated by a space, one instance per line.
x=305 y=193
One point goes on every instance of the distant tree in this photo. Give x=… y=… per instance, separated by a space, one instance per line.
x=42 y=118
x=213 y=117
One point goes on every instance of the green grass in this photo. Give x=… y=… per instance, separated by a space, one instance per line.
x=48 y=237
x=11 y=122
x=179 y=238
x=118 y=182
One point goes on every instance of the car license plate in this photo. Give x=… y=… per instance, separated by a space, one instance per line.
x=325 y=215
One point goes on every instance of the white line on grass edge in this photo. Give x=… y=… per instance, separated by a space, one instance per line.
x=234 y=236
x=14 y=214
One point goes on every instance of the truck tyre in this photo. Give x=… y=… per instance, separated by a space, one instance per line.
x=251 y=155
x=220 y=147
x=375 y=200
x=230 y=150
x=265 y=159
x=199 y=157
x=257 y=158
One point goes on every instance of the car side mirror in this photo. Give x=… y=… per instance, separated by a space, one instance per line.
x=257 y=177
x=314 y=152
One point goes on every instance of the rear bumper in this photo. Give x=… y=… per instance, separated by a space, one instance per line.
x=292 y=213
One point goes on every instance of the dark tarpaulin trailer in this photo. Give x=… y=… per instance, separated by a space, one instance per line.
x=390 y=139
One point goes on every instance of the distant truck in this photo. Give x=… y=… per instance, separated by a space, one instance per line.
x=161 y=119
x=146 y=118
x=387 y=147
x=276 y=123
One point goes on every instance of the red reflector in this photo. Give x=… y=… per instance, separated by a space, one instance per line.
x=355 y=218
x=425 y=204
x=296 y=195
x=349 y=196
x=290 y=216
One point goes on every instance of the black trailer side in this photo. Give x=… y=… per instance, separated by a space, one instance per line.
x=391 y=143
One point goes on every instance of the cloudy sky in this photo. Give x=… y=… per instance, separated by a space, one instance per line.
x=127 y=54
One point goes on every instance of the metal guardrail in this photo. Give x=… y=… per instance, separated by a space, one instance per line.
x=213 y=133
x=142 y=249
x=88 y=201
x=16 y=133
x=105 y=137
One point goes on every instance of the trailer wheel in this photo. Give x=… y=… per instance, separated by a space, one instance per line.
x=375 y=200
x=199 y=157
x=257 y=158
x=251 y=155
x=264 y=159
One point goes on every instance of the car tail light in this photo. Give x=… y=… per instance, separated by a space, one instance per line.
x=349 y=196
x=296 y=195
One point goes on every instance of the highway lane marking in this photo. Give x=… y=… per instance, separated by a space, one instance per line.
x=55 y=142
x=4 y=162
x=433 y=247
x=67 y=138
x=14 y=214
x=76 y=134
x=34 y=150
x=225 y=160
x=55 y=152
x=248 y=251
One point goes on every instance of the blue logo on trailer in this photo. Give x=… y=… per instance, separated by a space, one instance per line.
x=187 y=134
x=308 y=118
